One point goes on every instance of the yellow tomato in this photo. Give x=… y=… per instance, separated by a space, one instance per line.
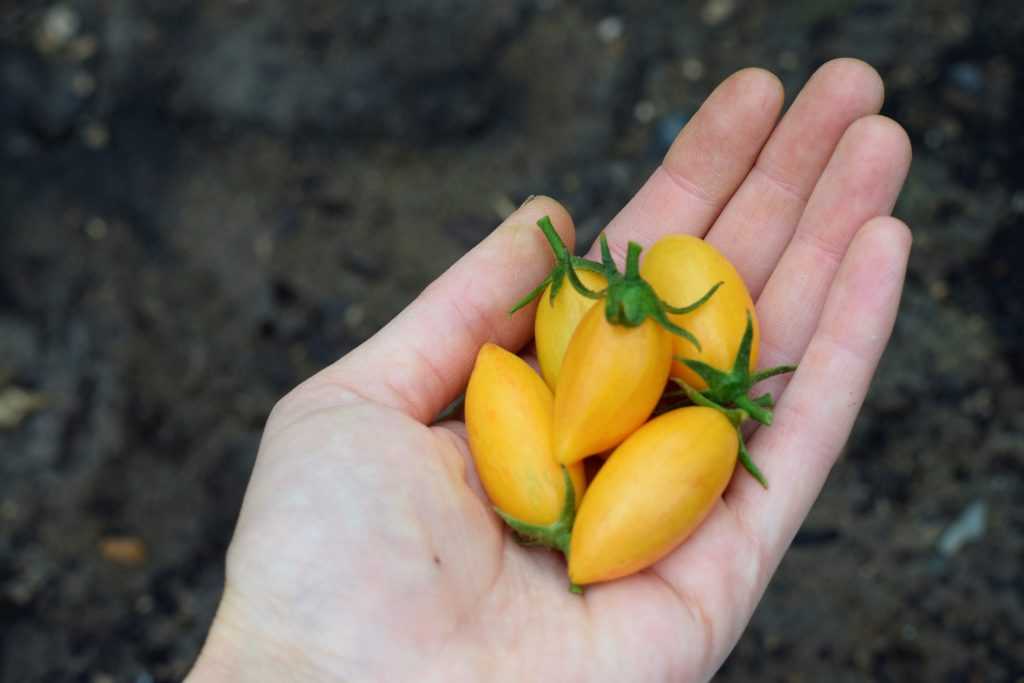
x=555 y=323
x=612 y=377
x=681 y=268
x=653 y=491
x=508 y=417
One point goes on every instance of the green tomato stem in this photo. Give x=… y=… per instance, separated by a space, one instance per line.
x=696 y=304
x=578 y=285
x=633 y=261
x=748 y=463
x=556 y=535
x=732 y=388
x=536 y=292
x=606 y=255
x=663 y=320
x=566 y=265
x=771 y=372
x=554 y=239
x=737 y=417
x=756 y=411
x=629 y=299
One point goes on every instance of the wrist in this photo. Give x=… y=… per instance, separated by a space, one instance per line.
x=235 y=651
x=225 y=657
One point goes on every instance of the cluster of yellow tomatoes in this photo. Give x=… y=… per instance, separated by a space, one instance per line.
x=654 y=365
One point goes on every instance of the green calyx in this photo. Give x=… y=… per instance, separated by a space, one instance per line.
x=629 y=299
x=727 y=393
x=732 y=388
x=737 y=416
x=566 y=265
x=555 y=535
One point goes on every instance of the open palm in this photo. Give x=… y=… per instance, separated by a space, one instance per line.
x=366 y=549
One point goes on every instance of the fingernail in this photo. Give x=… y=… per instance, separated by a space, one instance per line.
x=527 y=201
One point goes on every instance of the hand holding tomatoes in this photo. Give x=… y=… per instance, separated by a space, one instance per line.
x=366 y=549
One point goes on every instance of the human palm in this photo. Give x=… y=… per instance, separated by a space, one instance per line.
x=366 y=548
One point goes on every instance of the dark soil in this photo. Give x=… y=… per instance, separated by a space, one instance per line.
x=205 y=202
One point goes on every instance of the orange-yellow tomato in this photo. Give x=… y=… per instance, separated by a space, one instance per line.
x=555 y=324
x=612 y=377
x=508 y=417
x=681 y=269
x=653 y=491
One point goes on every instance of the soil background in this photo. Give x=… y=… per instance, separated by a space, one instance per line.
x=202 y=203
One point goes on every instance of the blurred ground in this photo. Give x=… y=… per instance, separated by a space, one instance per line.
x=203 y=203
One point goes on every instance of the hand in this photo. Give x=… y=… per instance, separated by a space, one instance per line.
x=366 y=550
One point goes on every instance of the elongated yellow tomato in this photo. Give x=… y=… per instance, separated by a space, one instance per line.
x=556 y=322
x=612 y=377
x=653 y=491
x=508 y=417
x=682 y=268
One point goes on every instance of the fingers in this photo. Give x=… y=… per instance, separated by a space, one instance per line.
x=705 y=164
x=420 y=361
x=724 y=567
x=862 y=180
x=759 y=220
x=814 y=417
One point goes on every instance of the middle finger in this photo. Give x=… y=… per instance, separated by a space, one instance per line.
x=759 y=220
x=705 y=164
